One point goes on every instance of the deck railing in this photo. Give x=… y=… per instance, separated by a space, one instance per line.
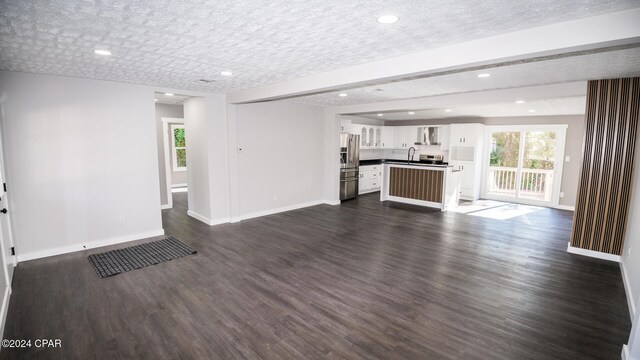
x=535 y=184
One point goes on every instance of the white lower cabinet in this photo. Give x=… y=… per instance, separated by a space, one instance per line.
x=370 y=178
x=469 y=186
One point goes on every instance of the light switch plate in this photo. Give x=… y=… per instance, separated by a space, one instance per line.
x=567 y=158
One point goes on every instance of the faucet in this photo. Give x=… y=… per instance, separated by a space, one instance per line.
x=410 y=154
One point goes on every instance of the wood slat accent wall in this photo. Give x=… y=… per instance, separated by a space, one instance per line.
x=611 y=123
x=417 y=184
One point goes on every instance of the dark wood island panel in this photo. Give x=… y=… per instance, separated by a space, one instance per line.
x=418 y=184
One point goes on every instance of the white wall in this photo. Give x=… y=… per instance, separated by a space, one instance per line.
x=281 y=163
x=631 y=262
x=81 y=157
x=207 y=165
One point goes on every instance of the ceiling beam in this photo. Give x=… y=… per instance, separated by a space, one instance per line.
x=598 y=32
x=531 y=93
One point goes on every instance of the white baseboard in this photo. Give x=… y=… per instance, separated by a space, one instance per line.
x=197 y=216
x=206 y=220
x=593 y=254
x=279 y=210
x=256 y=214
x=627 y=290
x=165 y=206
x=565 y=207
x=5 y=308
x=89 y=245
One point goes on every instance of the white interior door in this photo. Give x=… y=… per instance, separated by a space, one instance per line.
x=6 y=241
x=524 y=163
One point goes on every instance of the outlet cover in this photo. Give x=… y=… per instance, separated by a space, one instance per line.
x=562 y=194
x=567 y=158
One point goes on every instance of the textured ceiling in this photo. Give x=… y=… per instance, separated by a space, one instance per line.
x=611 y=64
x=556 y=106
x=175 y=99
x=175 y=43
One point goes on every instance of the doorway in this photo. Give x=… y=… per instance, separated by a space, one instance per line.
x=523 y=164
x=172 y=147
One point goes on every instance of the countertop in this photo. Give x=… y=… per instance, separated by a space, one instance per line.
x=401 y=162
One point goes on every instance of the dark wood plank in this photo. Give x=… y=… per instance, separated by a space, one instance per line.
x=362 y=280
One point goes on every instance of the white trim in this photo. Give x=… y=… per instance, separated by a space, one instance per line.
x=197 y=216
x=5 y=308
x=369 y=191
x=178 y=185
x=565 y=207
x=256 y=214
x=281 y=209
x=206 y=220
x=165 y=206
x=627 y=290
x=172 y=120
x=219 y=221
x=167 y=171
x=593 y=254
x=625 y=353
x=174 y=148
x=561 y=131
x=89 y=245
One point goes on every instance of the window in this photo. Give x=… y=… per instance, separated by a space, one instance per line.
x=178 y=148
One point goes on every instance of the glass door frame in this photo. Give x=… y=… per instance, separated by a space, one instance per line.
x=561 y=133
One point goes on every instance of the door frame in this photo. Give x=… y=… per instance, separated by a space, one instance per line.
x=561 y=134
x=168 y=157
x=11 y=259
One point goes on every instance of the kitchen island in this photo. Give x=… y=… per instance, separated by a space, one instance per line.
x=434 y=186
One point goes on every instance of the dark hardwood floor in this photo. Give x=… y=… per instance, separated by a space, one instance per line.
x=361 y=280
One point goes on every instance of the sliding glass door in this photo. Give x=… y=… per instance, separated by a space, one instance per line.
x=524 y=163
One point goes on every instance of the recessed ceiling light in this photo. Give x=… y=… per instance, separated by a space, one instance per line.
x=226 y=73
x=387 y=19
x=168 y=94
x=342 y=94
x=102 y=52
x=448 y=110
x=411 y=112
x=532 y=110
x=519 y=101
x=485 y=75
x=379 y=114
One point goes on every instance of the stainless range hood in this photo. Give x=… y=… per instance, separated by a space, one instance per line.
x=428 y=135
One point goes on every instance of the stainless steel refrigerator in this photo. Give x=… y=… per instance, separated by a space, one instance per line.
x=349 y=163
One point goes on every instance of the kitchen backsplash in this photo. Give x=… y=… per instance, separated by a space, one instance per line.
x=371 y=154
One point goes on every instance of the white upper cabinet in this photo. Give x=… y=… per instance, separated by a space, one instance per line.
x=362 y=131
x=405 y=136
x=371 y=139
x=387 y=137
x=345 y=126
x=395 y=137
x=465 y=134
